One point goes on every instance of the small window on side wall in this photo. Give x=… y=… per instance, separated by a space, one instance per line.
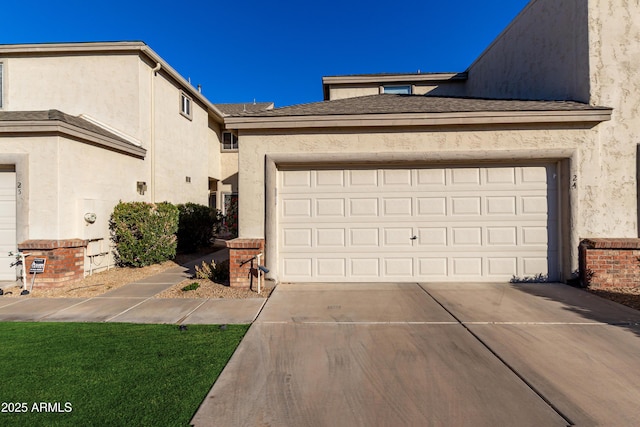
x=185 y=105
x=229 y=141
x=397 y=90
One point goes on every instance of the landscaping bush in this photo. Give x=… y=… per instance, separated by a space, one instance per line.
x=216 y=272
x=144 y=233
x=195 y=226
x=231 y=217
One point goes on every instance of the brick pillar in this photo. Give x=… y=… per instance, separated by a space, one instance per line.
x=241 y=250
x=610 y=263
x=64 y=260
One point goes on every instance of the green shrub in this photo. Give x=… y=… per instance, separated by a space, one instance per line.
x=216 y=272
x=144 y=233
x=191 y=287
x=195 y=226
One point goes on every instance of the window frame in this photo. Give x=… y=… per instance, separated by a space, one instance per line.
x=186 y=105
x=408 y=88
x=233 y=143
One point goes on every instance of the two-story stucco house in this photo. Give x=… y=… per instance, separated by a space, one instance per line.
x=84 y=125
x=483 y=175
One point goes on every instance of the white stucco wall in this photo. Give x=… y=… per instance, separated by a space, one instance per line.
x=577 y=146
x=122 y=92
x=60 y=175
x=614 y=63
x=542 y=54
x=63 y=179
x=585 y=50
x=181 y=148
x=106 y=87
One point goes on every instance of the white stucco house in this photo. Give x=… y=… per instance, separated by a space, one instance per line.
x=84 y=125
x=483 y=175
x=494 y=172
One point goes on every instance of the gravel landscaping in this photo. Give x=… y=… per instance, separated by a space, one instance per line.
x=104 y=281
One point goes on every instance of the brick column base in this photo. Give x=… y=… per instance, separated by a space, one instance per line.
x=610 y=263
x=64 y=260
x=241 y=250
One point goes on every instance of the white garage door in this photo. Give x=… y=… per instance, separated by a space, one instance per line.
x=426 y=224
x=7 y=223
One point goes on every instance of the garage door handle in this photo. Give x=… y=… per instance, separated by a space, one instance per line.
x=414 y=238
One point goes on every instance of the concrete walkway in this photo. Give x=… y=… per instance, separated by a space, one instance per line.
x=436 y=354
x=135 y=303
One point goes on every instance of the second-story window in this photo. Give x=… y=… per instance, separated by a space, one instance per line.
x=398 y=90
x=229 y=141
x=185 y=105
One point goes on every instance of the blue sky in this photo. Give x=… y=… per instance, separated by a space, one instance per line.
x=274 y=50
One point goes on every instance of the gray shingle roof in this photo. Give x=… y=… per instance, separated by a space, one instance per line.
x=397 y=104
x=76 y=127
x=55 y=115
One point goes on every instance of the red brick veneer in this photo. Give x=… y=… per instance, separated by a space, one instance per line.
x=65 y=260
x=608 y=263
x=241 y=250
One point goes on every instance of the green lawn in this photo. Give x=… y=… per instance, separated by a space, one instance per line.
x=109 y=374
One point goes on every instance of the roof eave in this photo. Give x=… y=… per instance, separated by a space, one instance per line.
x=58 y=127
x=393 y=78
x=420 y=119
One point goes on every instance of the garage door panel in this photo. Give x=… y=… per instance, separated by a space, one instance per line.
x=334 y=208
x=397 y=236
x=297 y=238
x=396 y=177
x=330 y=179
x=502 y=236
x=331 y=238
x=363 y=207
x=363 y=178
x=502 y=266
x=477 y=223
x=431 y=177
x=297 y=208
x=397 y=206
x=500 y=205
x=467 y=205
x=331 y=268
x=500 y=176
x=296 y=179
x=298 y=267
x=395 y=268
x=8 y=238
x=365 y=268
x=534 y=205
x=464 y=176
x=365 y=237
x=433 y=268
x=431 y=206
x=462 y=266
x=432 y=236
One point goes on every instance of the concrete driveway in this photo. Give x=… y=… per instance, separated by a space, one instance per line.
x=432 y=354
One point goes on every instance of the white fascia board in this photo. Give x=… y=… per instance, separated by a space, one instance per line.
x=393 y=78
x=419 y=119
